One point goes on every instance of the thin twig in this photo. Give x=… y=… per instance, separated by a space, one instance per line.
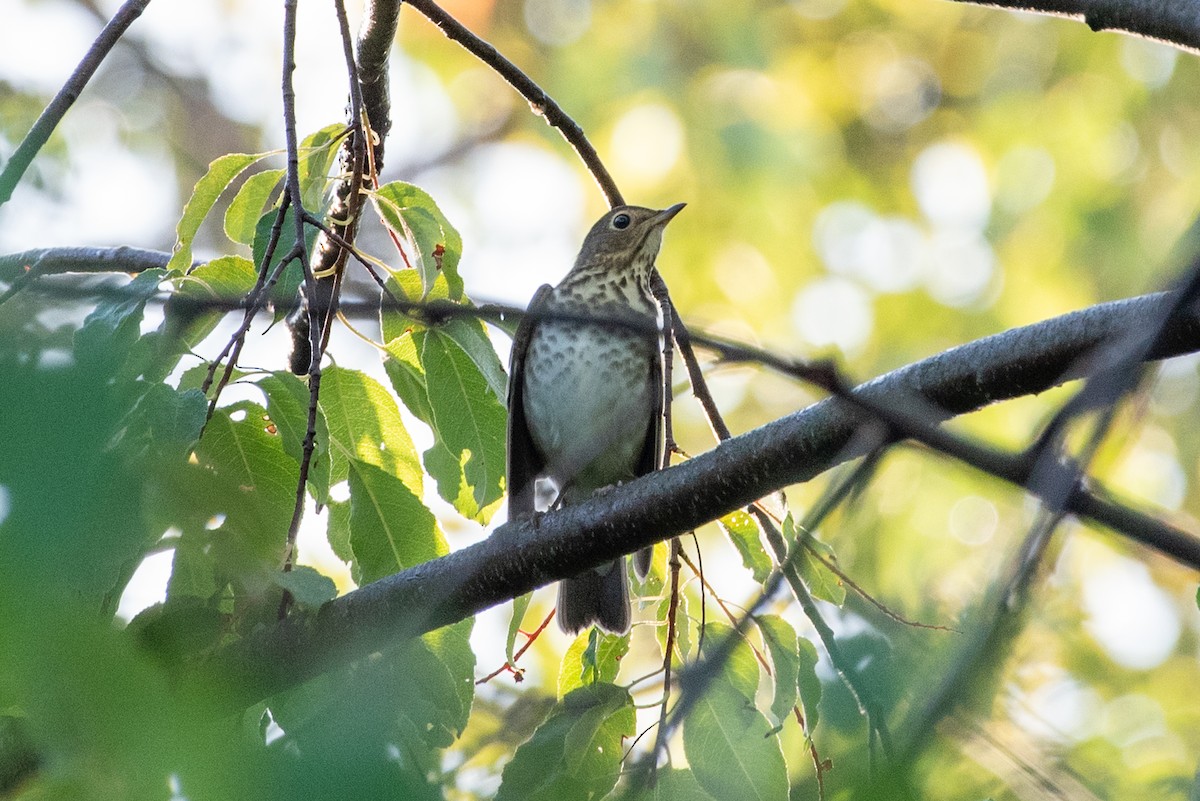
x=39 y=134
x=539 y=102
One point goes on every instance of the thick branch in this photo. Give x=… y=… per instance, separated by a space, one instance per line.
x=1174 y=21
x=521 y=556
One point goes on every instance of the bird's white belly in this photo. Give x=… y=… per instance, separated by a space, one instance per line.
x=587 y=403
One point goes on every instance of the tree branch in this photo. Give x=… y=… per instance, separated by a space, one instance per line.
x=539 y=102
x=521 y=556
x=39 y=134
x=1173 y=21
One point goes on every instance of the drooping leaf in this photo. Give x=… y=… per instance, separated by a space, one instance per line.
x=467 y=417
x=820 y=580
x=520 y=604
x=365 y=424
x=682 y=632
x=438 y=682
x=471 y=336
x=318 y=152
x=208 y=189
x=725 y=736
x=227 y=279
x=338 y=530
x=575 y=755
x=593 y=657
x=390 y=529
x=435 y=246
x=743 y=533
x=441 y=385
x=287 y=404
x=810 y=684
x=726 y=743
x=783 y=646
x=252 y=482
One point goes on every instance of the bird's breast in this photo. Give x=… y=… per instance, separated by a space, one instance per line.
x=588 y=397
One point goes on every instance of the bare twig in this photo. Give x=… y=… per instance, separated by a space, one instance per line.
x=539 y=102
x=66 y=97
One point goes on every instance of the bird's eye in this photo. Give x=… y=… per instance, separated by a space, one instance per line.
x=621 y=222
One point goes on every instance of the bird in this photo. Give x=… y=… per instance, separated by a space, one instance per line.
x=585 y=399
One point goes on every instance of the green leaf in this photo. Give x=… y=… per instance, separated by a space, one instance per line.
x=520 y=604
x=287 y=404
x=437 y=684
x=594 y=657
x=165 y=422
x=682 y=632
x=229 y=278
x=241 y=218
x=822 y=582
x=110 y=331
x=440 y=384
x=192 y=573
x=810 y=684
x=435 y=247
x=407 y=374
x=471 y=336
x=318 y=152
x=390 y=529
x=307 y=586
x=576 y=752
x=783 y=646
x=743 y=533
x=208 y=189
x=671 y=785
x=338 y=530
x=467 y=417
x=740 y=670
x=726 y=743
x=283 y=295
x=251 y=480
x=365 y=424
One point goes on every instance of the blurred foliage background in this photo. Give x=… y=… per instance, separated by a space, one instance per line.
x=871 y=179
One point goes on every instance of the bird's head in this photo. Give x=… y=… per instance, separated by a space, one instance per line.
x=627 y=237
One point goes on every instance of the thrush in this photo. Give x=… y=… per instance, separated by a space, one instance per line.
x=585 y=398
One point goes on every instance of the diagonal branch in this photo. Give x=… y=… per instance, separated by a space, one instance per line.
x=520 y=556
x=1175 y=21
x=67 y=95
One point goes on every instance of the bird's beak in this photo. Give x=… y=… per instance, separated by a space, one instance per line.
x=665 y=216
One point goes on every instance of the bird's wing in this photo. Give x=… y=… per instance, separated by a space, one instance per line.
x=651 y=454
x=525 y=464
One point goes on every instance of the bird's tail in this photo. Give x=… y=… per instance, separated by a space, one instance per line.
x=599 y=596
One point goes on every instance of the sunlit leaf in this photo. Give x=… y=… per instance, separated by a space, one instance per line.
x=743 y=533
x=671 y=784
x=390 y=529
x=519 y=605
x=435 y=246
x=783 y=646
x=241 y=218
x=594 y=656
x=725 y=736
x=365 y=424
x=288 y=400
x=208 y=189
